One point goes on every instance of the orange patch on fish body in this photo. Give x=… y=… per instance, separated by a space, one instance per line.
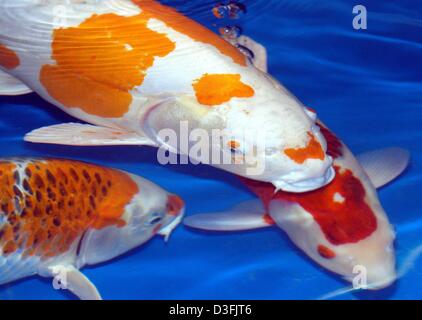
x=53 y=203
x=100 y=61
x=216 y=89
x=326 y=252
x=8 y=58
x=313 y=150
x=177 y=21
x=6 y=206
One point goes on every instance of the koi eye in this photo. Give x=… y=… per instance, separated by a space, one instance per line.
x=154 y=219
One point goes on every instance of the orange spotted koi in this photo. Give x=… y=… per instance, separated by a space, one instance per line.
x=132 y=68
x=57 y=216
x=341 y=226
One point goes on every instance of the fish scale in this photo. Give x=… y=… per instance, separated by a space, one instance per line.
x=59 y=214
x=50 y=202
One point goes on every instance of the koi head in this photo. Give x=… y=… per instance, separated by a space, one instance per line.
x=151 y=211
x=155 y=212
x=368 y=263
x=276 y=138
x=285 y=148
x=343 y=228
x=246 y=126
x=301 y=169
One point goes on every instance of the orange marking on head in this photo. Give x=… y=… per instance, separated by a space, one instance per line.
x=325 y=252
x=56 y=201
x=101 y=60
x=8 y=58
x=313 y=150
x=216 y=89
x=174 y=205
x=191 y=28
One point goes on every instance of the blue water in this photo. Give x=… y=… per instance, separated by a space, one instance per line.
x=365 y=85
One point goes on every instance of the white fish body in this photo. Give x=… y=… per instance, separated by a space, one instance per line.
x=160 y=69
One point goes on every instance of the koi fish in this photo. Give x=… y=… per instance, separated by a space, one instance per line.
x=132 y=68
x=57 y=216
x=341 y=226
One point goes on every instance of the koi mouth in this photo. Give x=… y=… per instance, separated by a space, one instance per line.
x=167 y=230
x=175 y=209
x=289 y=184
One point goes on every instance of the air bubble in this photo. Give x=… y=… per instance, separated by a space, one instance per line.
x=230 y=33
x=219 y=11
x=229 y=9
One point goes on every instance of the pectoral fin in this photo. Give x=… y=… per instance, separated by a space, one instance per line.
x=384 y=165
x=246 y=216
x=77 y=134
x=70 y=278
x=10 y=86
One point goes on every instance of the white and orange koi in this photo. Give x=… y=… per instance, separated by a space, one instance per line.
x=341 y=226
x=132 y=68
x=57 y=216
